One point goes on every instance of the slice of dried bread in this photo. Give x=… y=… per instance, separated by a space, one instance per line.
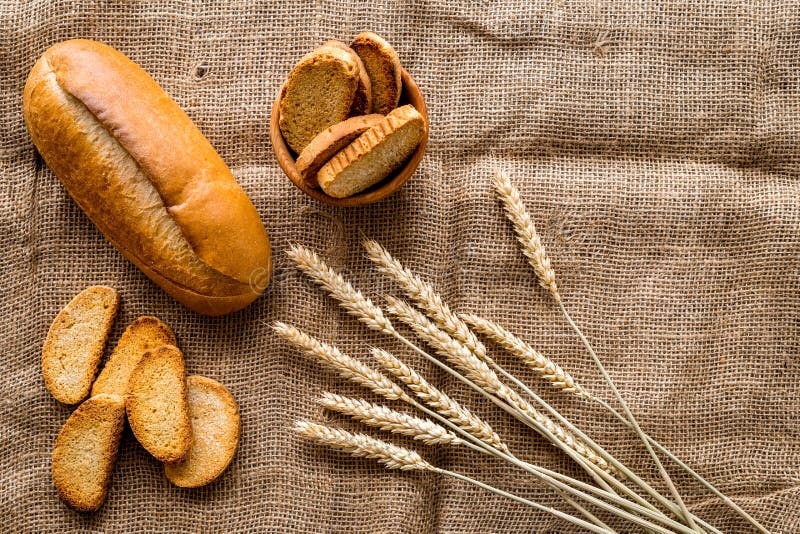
x=74 y=345
x=319 y=92
x=158 y=410
x=362 y=103
x=374 y=155
x=383 y=68
x=85 y=452
x=216 y=428
x=330 y=141
x=142 y=335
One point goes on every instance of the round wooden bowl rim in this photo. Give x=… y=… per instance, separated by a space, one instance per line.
x=386 y=187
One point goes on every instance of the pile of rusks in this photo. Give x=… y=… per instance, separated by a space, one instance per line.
x=191 y=424
x=339 y=112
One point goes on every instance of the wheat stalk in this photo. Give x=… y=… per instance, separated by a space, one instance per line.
x=527 y=235
x=340 y=289
x=360 y=445
x=540 y=364
x=423 y=294
x=390 y=420
x=439 y=401
x=478 y=371
x=347 y=366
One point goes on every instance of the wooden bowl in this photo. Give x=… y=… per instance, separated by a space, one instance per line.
x=286 y=158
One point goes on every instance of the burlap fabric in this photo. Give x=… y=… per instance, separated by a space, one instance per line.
x=656 y=144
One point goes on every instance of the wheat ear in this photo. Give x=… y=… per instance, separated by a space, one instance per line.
x=540 y=364
x=347 y=366
x=527 y=235
x=391 y=456
x=394 y=457
x=478 y=371
x=444 y=405
x=423 y=294
x=390 y=420
x=340 y=289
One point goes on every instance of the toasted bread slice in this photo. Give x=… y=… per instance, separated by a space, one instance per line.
x=318 y=93
x=383 y=68
x=329 y=142
x=142 y=335
x=216 y=428
x=85 y=452
x=362 y=103
x=158 y=410
x=374 y=155
x=74 y=345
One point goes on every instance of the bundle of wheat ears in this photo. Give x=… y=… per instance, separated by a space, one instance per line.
x=616 y=491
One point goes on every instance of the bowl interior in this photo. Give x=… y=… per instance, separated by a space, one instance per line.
x=286 y=157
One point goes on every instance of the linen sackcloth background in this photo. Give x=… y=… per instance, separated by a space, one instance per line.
x=656 y=145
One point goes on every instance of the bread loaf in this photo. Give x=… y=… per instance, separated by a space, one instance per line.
x=146 y=176
x=75 y=343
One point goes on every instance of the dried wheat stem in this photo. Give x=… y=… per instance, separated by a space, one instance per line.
x=540 y=364
x=439 y=401
x=479 y=372
x=527 y=235
x=394 y=457
x=423 y=294
x=391 y=456
x=340 y=289
x=390 y=420
x=347 y=366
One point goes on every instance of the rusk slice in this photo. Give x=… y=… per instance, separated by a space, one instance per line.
x=374 y=155
x=85 y=452
x=318 y=93
x=216 y=429
x=362 y=103
x=142 y=335
x=158 y=410
x=330 y=141
x=383 y=68
x=74 y=345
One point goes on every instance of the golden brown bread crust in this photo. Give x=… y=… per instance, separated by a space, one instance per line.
x=375 y=154
x=86 y=450
x=362 y=102
x=142 y=335
x=145 y=175
x=157 y=406
x=383 y=68
x=330 y=141
x=318 y=93
x=75 y=343
x=216 y=427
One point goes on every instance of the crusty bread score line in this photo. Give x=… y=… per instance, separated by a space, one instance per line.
x=146 y=176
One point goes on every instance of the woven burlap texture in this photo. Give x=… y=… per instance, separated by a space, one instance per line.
x=656 y=145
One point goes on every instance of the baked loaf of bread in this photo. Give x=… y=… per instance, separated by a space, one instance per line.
x=374 y=155
x=329 y=142
x=146 y=176
x=157 y=407
x=86 y=450
x=383 y=68
x=75 y=343
x=216 y=429
x=141 y=336
x=318 y=93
